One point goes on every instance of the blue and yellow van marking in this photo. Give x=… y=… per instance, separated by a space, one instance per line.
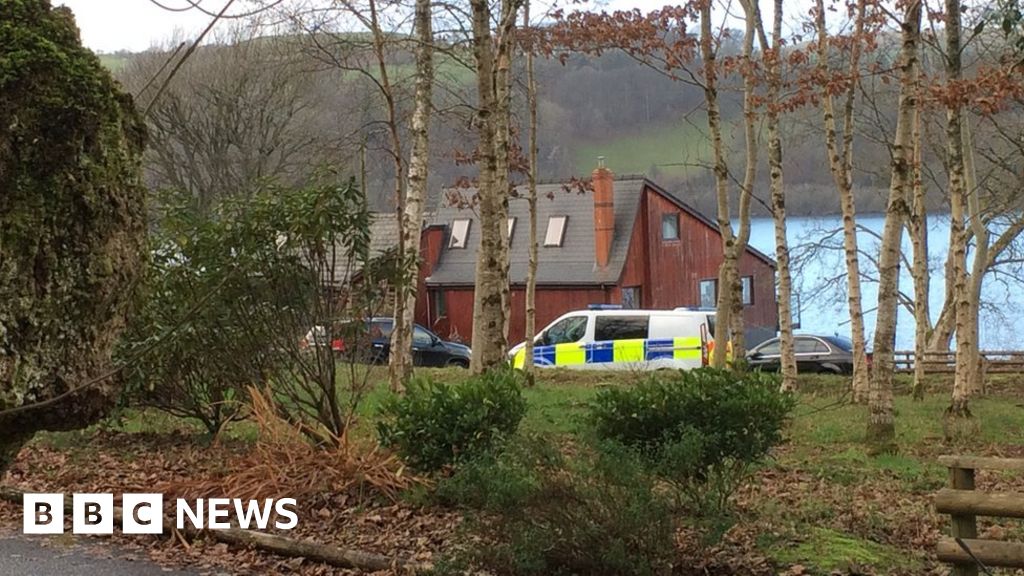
x=617 y=351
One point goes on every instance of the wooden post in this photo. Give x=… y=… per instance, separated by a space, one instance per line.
x=964 y=526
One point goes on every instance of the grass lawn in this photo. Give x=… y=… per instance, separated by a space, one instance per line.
x=820 y=503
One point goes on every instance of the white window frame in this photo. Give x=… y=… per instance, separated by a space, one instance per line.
x=460 y=233
x=750 y=281
x=511 y=226
x=700 y=291
x=555 y=234
x=666 y=216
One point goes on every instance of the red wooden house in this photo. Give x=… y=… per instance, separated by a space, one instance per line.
x=627 y=242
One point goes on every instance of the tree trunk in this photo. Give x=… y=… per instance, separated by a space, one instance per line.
x=491 y=294
x=942 y=332
x=778 y=194
x=958 y=416
x=981 y=261
x=723 y=303
x=841 y=166
x=881 y=428
x=411 y=223
x=502 y=136
x=918 y=229
x=400 y=357
x=531 y=198
x=739 y=247
x=729 y=315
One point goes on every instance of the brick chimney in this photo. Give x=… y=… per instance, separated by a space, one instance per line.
x=604 y=212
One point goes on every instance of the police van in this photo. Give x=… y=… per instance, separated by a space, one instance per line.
x=609 y=338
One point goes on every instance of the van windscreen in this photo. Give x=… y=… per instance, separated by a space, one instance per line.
x=711 y=325
x=620 y=328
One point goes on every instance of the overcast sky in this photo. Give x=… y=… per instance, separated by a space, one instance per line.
x=135 y=25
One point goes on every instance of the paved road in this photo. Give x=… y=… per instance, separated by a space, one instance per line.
x=24 y=556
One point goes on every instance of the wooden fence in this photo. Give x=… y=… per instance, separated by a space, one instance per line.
x=962 y=548
x=992 y=361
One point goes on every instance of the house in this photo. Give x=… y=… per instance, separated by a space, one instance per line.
x=627 y=241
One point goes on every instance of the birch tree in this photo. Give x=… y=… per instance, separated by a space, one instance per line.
x=772 y=54
x=958 y=409
x=371 y=57
x=917 y=228
x=492 y=56
x=531 y=199
x=881 y=426
x=411 y=219
x=729 y=305
x=840 y=155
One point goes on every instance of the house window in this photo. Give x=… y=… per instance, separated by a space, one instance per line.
x=440 y=308
x=511 y=226
x=460 y=233
x=708 y=293
x=631 y=297
x=747 y=290
x=670 y=226
x=556 y=231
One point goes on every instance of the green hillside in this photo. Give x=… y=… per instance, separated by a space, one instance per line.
x=113 y=62
x=674 y=150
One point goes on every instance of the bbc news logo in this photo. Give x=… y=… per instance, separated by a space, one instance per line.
x=144 y=513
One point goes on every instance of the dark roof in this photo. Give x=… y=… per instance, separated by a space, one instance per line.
x=571 y=263
x=383 y=235
x=574 y=261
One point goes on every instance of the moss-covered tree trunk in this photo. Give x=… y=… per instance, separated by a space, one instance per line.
x=71 y=224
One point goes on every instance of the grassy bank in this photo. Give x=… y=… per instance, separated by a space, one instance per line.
x=821 y=505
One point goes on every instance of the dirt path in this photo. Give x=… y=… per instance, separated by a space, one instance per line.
x=47 y=556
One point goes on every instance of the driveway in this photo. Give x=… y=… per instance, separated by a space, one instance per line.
x=46 y=556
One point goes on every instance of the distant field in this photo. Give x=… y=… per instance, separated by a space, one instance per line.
x=674 y=150
x=113 y=62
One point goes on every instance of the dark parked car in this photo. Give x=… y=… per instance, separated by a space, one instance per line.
x=428 y=349
x=822 y=354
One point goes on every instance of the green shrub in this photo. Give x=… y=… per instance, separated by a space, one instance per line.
x=595 y=514
x=436 y=425
x=701 y=430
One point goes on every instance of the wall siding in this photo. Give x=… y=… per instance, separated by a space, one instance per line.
x=670 y=271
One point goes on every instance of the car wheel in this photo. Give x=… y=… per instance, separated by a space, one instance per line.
x=832 y=369
x=458 y=363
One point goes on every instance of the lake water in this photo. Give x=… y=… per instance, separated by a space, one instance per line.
x=820 y=280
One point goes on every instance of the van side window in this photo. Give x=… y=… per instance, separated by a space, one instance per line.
x=620 y=328
x=571 y=329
